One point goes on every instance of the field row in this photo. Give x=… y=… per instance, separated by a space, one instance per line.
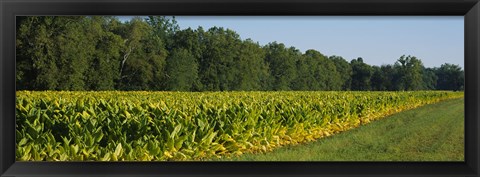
x=146 y=126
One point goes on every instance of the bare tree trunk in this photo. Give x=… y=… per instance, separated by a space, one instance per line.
x=125 y=57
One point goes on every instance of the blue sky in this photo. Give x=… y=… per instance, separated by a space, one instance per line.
x=377 y=39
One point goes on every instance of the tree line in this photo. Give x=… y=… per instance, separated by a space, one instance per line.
x=153 y=53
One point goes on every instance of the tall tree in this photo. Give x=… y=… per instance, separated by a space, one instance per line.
x=450 y=77
x=281 y=61
x=181 y=70
x=409 y=69
x=164 y=28
x=326 y=71
x=55 y=51
x=253 y=73
x=73 y=53
x=144 y=57
x=429 y=79
x=389 y=77
x=191 y=40
x=218 y=66
x=36 y=53
x=103 y=53
x=304 y=74
x=104 y=68
x=345 y=71
x=316 y=72
x=377 y=79
x=361 y=73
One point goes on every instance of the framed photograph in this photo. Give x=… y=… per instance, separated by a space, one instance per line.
x=239 y=88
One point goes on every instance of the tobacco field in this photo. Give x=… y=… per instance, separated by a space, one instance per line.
x=165 y=126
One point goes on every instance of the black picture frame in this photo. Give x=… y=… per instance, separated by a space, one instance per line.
x=9 y=9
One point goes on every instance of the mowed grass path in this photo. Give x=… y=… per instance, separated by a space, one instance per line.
x=430 y=133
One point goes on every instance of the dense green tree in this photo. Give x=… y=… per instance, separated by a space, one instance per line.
x=450 y=77
x=345 y=71
x=326 y=72
x=376 y=81
x=282 y=64
x=218 y=66
x=304 y=74
x=181 y=70
x=316 y=72
x=104 y=68
x=36 y=53
x=75 y=49
x=191 y=40
x=103 y=53
x=409 y=70
x=164 y=29
x=384 y=78
x=361 y=73
x=54 y=52
x=389 y=77
x=429 y=79
x=143 y=63
x=250 y=61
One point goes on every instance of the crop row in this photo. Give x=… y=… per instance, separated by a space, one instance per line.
x=156 y=126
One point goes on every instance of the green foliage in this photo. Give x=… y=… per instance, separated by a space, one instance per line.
x=191 y=41
x=181 y=70
x=361 y=73
x=409 y=72
x=429 y=79
x=144 y=58
x=316 y=72
x=376 y=81
x=450 y=77
x=36 y=53
x=165 y=28
x=253 y=69
x=345 y=71
x=103 y=53
x=218 y=64
x=281 y=61
x=104 y=68
x=156 y=126
x=389 y=79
